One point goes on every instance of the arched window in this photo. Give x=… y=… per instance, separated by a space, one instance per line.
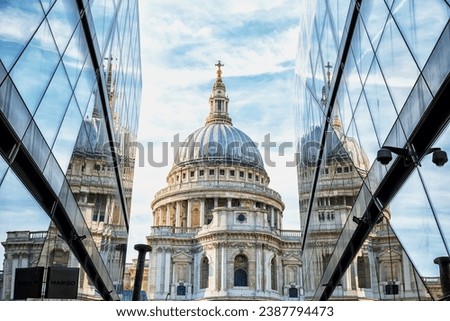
x=181 y=289
x=293 y=292
x=240 y=270
x=204 y=278
x=273 y=273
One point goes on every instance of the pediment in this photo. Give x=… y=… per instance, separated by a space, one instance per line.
x=182 y=257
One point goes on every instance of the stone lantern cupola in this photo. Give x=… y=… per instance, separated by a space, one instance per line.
x=218 y=101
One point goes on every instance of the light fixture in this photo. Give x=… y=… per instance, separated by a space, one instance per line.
x=409 y=155
x=75 y=237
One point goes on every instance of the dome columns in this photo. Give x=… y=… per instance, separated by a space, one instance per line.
x=195 y=212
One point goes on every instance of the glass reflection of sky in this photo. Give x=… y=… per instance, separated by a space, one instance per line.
x=422 y=223
x=19 y=20
x=19 y=211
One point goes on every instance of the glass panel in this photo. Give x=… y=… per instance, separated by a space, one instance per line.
x=389 y=3
x=103 y=17
x=415 y=107
x=39 y=59
x=84 y=91
x=380 y=105
x=67 y=135
x=438 y=66
x=399 y=69
x=352 y=81
x=328 y=39
x=19 y=211
x=2 y=72
x=396 y=137
x=366 y=136
x=362 y=51
x=374 y=14
x=338 y=12
x=36 y=145
x=47 y=4
x=343 y=106
x=413 y=221
x=3 y=168
x=75 y=55
x=68 y=201
x=13 y=108
x=63 y=19
x=17 y=15
x=53 y=106
x=317 y=75
x=437 y=182
x=54 y=174
x=421 y=23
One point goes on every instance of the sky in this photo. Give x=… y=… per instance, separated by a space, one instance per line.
x=181 y=41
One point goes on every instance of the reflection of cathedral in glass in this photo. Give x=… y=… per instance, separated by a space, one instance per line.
x=371 y=75
x=217 y=227
x=381 y=270
x=68 y=127
x=91 y=175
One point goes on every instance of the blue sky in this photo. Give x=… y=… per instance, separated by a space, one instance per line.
x=181 y=42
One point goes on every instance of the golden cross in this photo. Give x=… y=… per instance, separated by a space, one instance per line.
x=219 y=64
x=219 y=72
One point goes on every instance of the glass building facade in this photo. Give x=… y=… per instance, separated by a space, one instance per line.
x=70 y=86
x=370 y=76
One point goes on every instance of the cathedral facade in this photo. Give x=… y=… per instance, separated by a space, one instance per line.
x=217 y=226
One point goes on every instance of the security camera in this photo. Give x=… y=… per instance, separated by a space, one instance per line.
x=439 y=158
x=384 y=156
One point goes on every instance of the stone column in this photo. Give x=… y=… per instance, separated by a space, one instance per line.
x=444 y=273
x=217 y=267
x=168 y=215
x=258 y=267
x=223 y=279
x=272 y=217
x=202 y=212
x=158 y=275
x=267 y=281
x=197 y=272
x=142 y=249
x=189 y=214
x=156 y=213
x=177 y=214
x=167 y=271
x=229 y=205
x=10 y=288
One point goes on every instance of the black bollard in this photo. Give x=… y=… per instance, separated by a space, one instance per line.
x=142 y=249
x=444 y=272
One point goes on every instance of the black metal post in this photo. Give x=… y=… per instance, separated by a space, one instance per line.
x=142 y=249
x=444 y=272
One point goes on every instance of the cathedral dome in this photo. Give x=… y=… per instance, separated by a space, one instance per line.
x=219 y=143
